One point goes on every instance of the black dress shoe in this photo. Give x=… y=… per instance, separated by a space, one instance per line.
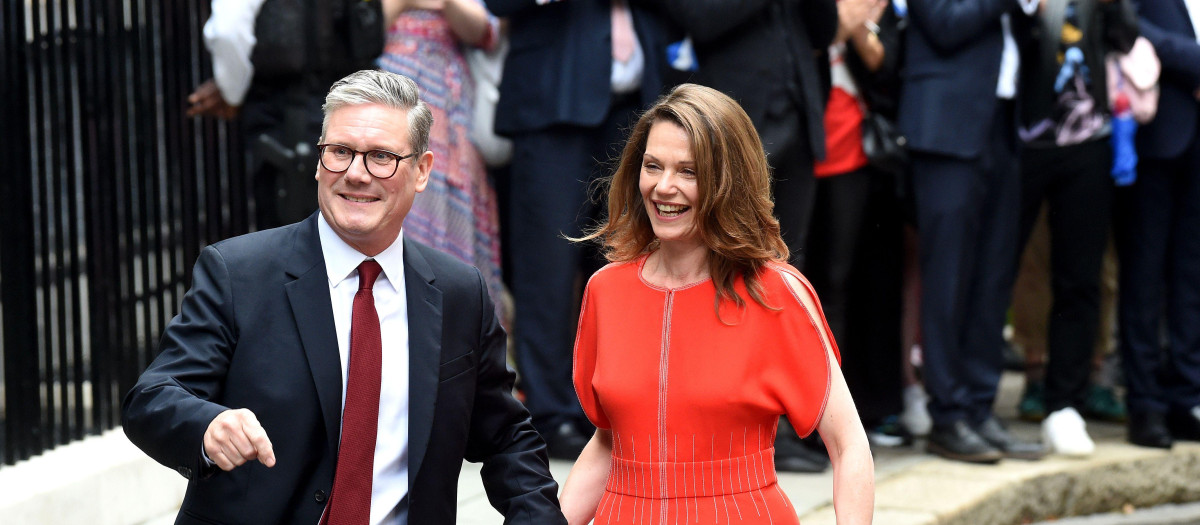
x=994 y=433
x=1185 y=424
x=791 y=455
x=565 y=442
x=1149 y=429
x=959 y=442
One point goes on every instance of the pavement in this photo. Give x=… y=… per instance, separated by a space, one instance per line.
x=915 y=488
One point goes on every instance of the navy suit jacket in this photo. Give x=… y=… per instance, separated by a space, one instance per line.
x=952 y=67
x=559 y=64
x=1166 y=24
x=256 y=331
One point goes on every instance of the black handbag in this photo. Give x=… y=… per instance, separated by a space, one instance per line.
x=885 y=147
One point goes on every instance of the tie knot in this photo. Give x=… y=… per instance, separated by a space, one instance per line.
x=368 y=271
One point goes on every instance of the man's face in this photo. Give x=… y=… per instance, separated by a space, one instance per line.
x=365 y=211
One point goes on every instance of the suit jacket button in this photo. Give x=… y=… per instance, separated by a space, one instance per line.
x=185 y=472
x=319 y=496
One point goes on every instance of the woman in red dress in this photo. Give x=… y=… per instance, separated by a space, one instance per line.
x=697 y=337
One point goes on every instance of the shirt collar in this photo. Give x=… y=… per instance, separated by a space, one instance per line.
x=341 y=259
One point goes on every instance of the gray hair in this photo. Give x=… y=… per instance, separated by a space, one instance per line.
x=371 y=86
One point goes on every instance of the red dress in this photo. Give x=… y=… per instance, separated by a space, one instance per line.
x=694 y=403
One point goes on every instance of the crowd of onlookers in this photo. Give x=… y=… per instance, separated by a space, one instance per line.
x=942 y=170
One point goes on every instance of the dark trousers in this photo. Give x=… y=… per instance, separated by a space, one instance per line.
x=1158 y=238
x=855 y=265
x=553 y=171
x=967 y=214
x=1075 y=183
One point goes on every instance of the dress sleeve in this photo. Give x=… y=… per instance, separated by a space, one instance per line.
x=585 y=360
x=800 y=375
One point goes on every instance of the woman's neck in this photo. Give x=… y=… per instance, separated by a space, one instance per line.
x=673 y=265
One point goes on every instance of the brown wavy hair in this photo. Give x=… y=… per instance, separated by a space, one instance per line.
x=734 y=218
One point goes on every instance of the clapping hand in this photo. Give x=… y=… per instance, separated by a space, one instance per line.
x=207 y=101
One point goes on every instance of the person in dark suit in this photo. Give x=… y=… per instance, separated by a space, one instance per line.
x=566 y=98
x=764 y=54
x=358 y=367
x=957 y=112
x=768 y=55
x=1157 y=225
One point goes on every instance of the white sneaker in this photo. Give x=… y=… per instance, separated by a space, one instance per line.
x=1064 y=433
x=916 y=411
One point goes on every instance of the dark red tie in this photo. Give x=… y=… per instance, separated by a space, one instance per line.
x=350 y=503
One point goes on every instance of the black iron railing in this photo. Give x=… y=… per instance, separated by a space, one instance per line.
x=107 y=194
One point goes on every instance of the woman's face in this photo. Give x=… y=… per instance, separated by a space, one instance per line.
x=668 y=183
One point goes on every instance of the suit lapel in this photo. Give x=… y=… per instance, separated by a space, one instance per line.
x=424 y=350
x=313 y=313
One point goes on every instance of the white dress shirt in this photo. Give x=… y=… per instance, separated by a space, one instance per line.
x=390 y=482
x=1193 y=8
x=1010 y=61
x=229 y=36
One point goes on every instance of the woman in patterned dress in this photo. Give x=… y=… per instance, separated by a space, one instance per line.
x=458 y=213
x=698 y=336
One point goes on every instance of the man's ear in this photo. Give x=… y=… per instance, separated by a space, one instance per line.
x=424 y=168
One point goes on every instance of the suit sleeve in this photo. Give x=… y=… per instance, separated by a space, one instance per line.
x=515 y=471
x=1179 y=53
x=168 y=410
x=949 y=24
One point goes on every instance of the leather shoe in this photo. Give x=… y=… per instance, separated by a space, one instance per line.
x=565 y=442
x=992 y=431
x=1149 y=429
x=1185 y=424
x=792 y=455
x=959 y=442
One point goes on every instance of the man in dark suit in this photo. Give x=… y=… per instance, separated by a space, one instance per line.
x=576 y=74
x=357 y=367
x=769 y=56
x=956 y=110
x=1158 y=233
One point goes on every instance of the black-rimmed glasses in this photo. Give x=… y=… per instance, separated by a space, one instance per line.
x=337 y=158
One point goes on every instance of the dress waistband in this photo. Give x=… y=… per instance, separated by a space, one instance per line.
x=649 y=479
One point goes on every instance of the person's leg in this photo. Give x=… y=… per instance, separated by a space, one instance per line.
x=990 y=279
x=1183 y=299
x=550 y=173
x=946 y=191
x=1031 y=288
x=873 y=314
x=1079 y=209
x=1143 y=226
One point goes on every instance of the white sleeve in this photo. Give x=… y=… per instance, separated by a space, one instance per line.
x=229 y=36
x=1030 y=7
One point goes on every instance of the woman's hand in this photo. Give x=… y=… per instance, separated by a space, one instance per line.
x=585 y=484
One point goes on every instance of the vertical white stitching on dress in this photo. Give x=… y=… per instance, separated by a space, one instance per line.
x=734 y=497
x=696 y=495
x=746 y=430
x=762 y=471
x=621 y=480
x=663 y=366
x=713 y=461
x=675 y=478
